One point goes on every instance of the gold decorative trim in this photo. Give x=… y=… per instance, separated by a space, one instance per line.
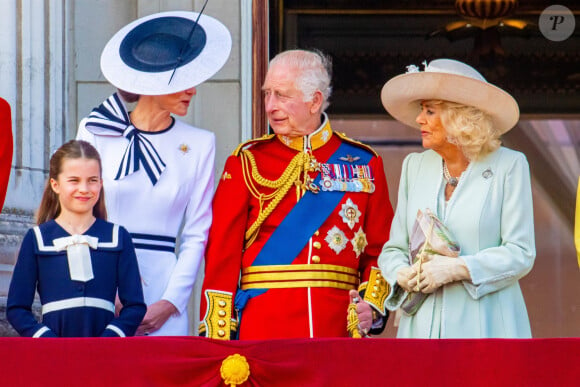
x=298 y=167
x=376 y=290
x=357 y=143
x=217 y=323
x=299 y=276
x=202 y=329
x=352 y=322
x=303 y=267
x=299 y=284
x=246 y=144
x=235 y=370
x=317 y=139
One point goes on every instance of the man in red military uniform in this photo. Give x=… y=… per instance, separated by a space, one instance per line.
x=299 y=218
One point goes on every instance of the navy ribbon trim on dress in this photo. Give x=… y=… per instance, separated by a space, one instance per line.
x=153 y=242
x=112 y=119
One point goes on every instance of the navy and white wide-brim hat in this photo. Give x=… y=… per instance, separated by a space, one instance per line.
x=447 y=80
x=163 y=53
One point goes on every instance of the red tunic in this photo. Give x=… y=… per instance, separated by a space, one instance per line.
x=289 y=312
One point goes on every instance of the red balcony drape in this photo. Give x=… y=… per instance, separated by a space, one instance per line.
x=195 y=361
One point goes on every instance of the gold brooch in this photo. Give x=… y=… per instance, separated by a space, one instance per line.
x=184 y=148
x=226 y=176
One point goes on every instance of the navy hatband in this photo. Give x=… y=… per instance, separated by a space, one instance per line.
x=158 y=45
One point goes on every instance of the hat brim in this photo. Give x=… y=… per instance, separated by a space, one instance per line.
x=208 y=61
x=402 y=95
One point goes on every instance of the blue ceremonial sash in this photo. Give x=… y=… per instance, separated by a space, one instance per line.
x=299 y=225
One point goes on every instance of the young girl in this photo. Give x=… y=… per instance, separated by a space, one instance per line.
x=76 y=260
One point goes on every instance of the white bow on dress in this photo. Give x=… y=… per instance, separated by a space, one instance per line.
x=78 y=255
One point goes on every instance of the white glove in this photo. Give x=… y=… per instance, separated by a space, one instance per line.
x=439 y=270
x=407 y=278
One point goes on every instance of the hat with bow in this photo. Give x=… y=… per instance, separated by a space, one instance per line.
x=447 y=80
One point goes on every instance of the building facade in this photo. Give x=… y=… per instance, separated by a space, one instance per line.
x=50 y=75
x=49 y=65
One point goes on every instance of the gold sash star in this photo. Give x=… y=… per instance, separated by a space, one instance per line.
x=359 y=242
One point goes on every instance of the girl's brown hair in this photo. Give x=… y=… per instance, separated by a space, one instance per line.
x=50 y=205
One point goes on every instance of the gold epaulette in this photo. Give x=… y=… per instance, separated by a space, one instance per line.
x=357 y=143
x=218 y=322
x=375 y=290
x=248 y=143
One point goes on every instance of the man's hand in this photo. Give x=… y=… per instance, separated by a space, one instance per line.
x=157 y=314
x=440 y=270
x=363 y=311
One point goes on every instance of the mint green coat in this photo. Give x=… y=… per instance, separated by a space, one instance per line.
x=491 y=216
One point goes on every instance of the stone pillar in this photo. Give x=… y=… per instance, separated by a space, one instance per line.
x=34 y=72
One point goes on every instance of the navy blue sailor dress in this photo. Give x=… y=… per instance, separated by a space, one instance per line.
x=76 y=308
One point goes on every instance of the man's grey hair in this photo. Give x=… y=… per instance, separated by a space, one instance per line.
x=315 y=72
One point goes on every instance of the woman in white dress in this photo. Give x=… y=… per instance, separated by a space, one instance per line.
x=158 y=171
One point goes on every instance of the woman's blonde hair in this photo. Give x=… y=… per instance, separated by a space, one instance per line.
x=469 y=128
x=50 y=205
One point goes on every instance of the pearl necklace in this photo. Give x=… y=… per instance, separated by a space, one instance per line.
x=452 y=181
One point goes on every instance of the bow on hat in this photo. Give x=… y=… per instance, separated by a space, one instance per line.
x=78 y=255
x=112 y=119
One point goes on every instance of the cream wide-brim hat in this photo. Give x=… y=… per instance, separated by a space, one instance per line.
x=165 y=53
x=447 y=80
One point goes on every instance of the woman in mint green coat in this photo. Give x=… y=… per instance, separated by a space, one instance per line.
x=480 y=192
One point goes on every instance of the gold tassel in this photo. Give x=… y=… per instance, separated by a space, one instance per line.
x=352 y=321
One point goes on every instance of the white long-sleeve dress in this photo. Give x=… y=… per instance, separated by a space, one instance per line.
x=176 y=209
